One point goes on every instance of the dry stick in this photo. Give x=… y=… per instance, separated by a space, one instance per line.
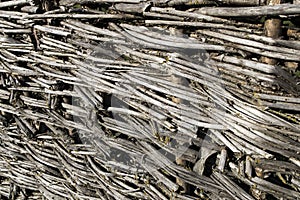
x=252 y=43
x=12 y=14
x=236 y=173
x=179 y=13
x=244 y=2
x=259 y=131
x=256 y=132
x=281 y=105
x=56 y=43
x=52 y=30
x=227 y=142
x=276 y=42
x=166 y=40
x=15 y=31
x=99 y=38
x=71 y=2
x=182 y=93
x=10 y=24
x=4 y=26
x=94 y=29
x=76 y=29
x=273 y=30
x=222 y=160
x=138 y=41
x=239 y=70
x=282 y=9
x=288 y=193
x=179 y=172
x=238 y=133
x=231 y=187
x=181 y=2
x=78 y=16
x=194 y=15
x=242 y=42
x=14 y=3
x=278 y=98
x=248 y=167
x=207 y=2
x=283 y=167
x=287 y=80
x=198 y=24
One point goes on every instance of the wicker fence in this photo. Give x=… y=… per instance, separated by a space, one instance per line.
x=141 y=99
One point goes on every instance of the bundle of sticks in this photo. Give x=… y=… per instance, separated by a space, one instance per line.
x=149 y=99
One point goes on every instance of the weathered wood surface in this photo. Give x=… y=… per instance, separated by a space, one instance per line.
x=267 y=10
x=98 y=99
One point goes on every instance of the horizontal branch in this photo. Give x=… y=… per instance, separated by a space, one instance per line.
x=282 y=9
x=14 y=3
x=79 y=16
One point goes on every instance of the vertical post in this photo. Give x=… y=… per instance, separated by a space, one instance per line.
x=273 y=30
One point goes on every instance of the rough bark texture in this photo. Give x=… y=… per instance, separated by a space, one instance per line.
x=272 y=29
x=137 y=99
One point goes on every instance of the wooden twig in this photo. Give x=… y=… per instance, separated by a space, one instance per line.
x=77 y=16
x=197 y=24
x=72 y=2
x=200 y=17
x=14 y=3
x=269 y=10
